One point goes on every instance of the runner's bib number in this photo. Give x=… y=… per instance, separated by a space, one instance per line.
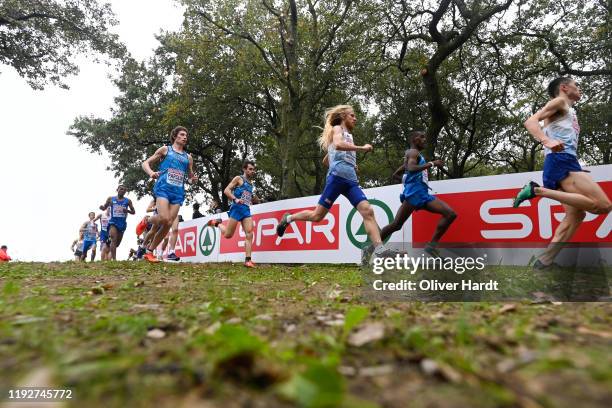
x=175 y=177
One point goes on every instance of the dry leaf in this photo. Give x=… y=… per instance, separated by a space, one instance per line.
x=156 y=334
x=367 y=333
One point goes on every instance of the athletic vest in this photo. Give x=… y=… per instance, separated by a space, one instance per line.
x=91 y=231
x=342 y=163
x=566 y=130
x=104 y=218
x=417 y=177
x=173 y=169
x=244 y=192
x=119 y=212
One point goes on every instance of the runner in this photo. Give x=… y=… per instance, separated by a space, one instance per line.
x=564 y=179
x=146 y=233
x=4 y=257
x=241 y=194
x=120 y=206
x=337 y=140
x=76 y=247
x=104 y=217
x=172 y=240
x=89 y=231
x=416 y=195
x=169 y=189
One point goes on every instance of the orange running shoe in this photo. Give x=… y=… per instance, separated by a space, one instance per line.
x=150 y=257
x=249 y=264
x=214 y=223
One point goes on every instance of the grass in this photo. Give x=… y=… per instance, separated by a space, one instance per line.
x=280 y=336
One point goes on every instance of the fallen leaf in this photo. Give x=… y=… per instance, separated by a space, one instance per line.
x=429 y=366
x=234 y=320
x=213 y=328
x=366 y=334
x=156 y=334
x=508 y=307
x=263 y=317
x=376 y=370
x=602 y=334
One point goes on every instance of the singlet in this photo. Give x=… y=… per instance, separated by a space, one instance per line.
x=566 y=130
x=173 y=169
x=91 y=231
x=119 y=212
x=342 y=163
x=416 y=179
x=104 y=218
x=244 y=192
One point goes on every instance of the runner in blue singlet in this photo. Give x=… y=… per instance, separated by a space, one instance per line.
x=176 y=167
x=241 y=193
x=415 y=194
x=564 y=179
x=337 y=140
x=89 y=231
x=120 y=206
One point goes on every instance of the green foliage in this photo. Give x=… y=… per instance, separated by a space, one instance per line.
x=40 y=38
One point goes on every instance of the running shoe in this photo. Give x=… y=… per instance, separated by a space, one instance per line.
x=214 y=223
x=150 y=257
x=140 y=253
x=282 y=225
x=172 y=257
x=249 y=264
x=526 y=193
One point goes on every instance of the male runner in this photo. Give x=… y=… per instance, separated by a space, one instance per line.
x=416 y=195
x=104 y=217
x=169 y=189
x=564 y=179
x=4 y=257
x=241 y=194
x=76 y=247
x=337 y=140
x=120 y=206
x=89 y=231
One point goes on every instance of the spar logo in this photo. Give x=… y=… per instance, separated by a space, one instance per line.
x=186 y=242
x=355 y=228
x=208 y=240
x=489 y=216
x=299 y=236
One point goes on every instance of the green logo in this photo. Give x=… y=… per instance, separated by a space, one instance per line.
x=207 y=240
x=361 y=231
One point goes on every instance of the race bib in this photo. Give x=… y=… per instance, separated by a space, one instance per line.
x=175 y=177
x=246 y=197
x=119 y=211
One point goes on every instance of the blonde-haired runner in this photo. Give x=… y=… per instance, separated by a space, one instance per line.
x=341 y=158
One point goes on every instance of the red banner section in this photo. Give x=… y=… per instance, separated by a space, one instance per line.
x=187 y=242
x=300 y=236
x=488 y=216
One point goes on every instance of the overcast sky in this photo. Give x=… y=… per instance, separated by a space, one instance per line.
x=50 y=183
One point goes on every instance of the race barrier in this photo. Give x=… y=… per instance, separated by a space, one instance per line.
x=484 y=215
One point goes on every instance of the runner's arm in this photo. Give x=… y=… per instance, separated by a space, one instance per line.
x=107 y=204
x=131 y=206
x=533 y=123
x=157 y=156
x=340 y=144
x=412 y=161
x=192 y=177
x=232 y=185
x=397 y=175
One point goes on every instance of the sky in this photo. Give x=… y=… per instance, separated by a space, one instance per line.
x=49 y=182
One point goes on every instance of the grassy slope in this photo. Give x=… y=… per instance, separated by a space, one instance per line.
x=283 y=340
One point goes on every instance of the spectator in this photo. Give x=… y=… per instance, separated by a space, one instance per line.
x=196 y=211
x=4 y=257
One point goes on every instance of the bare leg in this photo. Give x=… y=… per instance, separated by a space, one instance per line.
x=166 y=214
x=228 y=230
x=174 y=235
x=400 y=218
x=116 y=237
x=371 y=227
x=247 y=225
x=315 y=215
x=563 y=233
x=580 y=192
x=448 y=216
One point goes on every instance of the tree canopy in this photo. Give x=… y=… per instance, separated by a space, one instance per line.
x=253 y=78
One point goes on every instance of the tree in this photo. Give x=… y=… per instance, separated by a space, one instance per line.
x=39 y=38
